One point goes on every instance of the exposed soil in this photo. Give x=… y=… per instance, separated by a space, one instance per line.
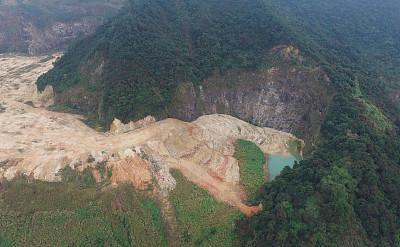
x=133 y=170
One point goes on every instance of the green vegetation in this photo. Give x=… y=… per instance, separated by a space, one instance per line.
x=294 y=147
x=79 y=212
x=69 y=214
x=251 y=164
x=346 y=193
x=93 y=121
x=202 y=220
x=377 y=119
x=339 y=197
x=83 y=180
x=62 y=108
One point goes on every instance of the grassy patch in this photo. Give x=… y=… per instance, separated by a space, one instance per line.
x=93 y=121
x=376 y=117
x=67 y=214
x=202 y=220
x=84 y=179
x=294 y=147
x=251 y=161
x=63 y=108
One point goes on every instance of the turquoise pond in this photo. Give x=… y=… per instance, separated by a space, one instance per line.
x=277 y=162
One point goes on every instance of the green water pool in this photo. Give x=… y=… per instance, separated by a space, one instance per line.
x=276 y=163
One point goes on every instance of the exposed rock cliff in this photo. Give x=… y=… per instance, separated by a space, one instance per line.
x=286 y=96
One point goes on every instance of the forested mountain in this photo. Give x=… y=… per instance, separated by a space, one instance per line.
x=346 y=193
x=43 y=26
x=325 y=70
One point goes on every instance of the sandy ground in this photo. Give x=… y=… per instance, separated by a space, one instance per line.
x=38 y=143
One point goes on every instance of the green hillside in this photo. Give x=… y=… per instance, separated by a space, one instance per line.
x=345 y=193
x=79 y=212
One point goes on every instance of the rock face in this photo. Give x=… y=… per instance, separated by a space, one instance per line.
x=37 y=27
x=287 y=97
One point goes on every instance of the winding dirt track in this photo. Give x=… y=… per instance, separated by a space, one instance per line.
x=38 y=142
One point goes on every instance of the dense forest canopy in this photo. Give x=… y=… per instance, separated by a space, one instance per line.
x=364 y=35
x=346 y=193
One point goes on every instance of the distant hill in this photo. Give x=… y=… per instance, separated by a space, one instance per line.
x=42 y=26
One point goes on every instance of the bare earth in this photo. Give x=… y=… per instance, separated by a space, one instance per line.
x=38 y=143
